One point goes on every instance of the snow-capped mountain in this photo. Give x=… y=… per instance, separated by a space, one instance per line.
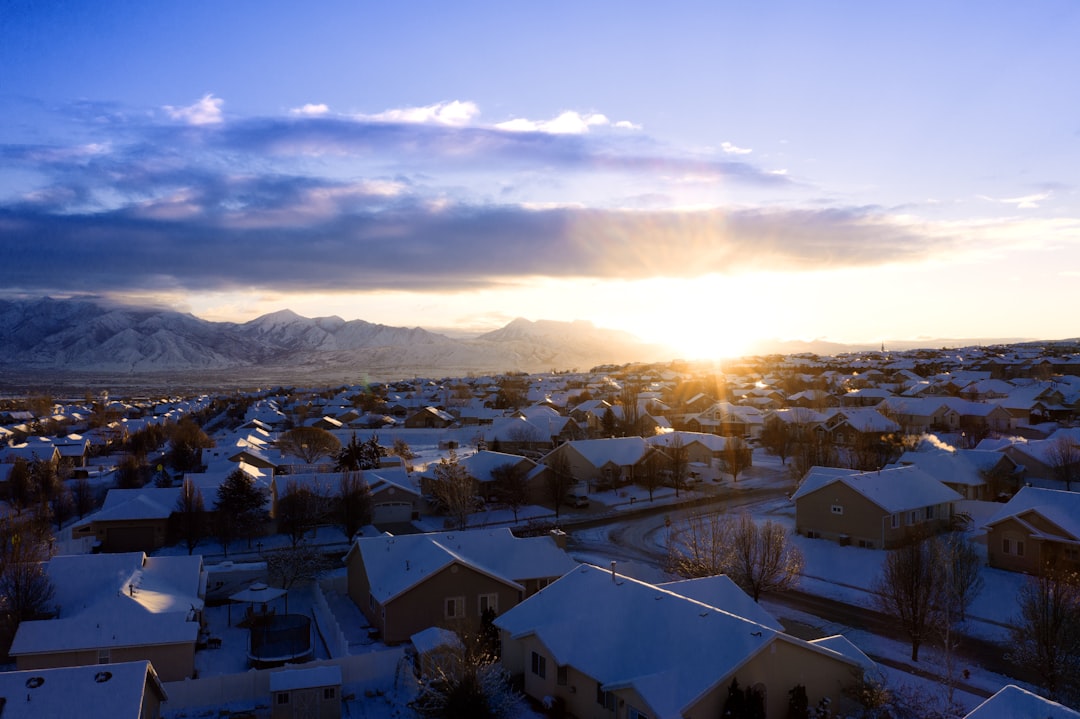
x=86 y=335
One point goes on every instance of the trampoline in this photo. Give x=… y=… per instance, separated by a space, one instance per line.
x=279 y=639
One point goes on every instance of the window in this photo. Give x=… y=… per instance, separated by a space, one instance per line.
x=895 y=520
x=489 y=601
x=913 y=517
x=1006 y=545
x=282 y=697
x=605 y=699
x=542 y=582
x=837 y=509
x=328 y=693
x=561 y=675
x=1012 y=546
x=103 y=656
x=539 y=665
x=930 y=512
x=1019 y=548
x=455 y=607
x=633 y=713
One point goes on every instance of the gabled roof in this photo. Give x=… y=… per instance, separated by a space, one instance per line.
x=625 y=633
x=894 y=489
x=481 y=464
x=965 y=466
x=1057 y=506
x=1011 y=702
x=620 y=451
x=396 y=564
x=113 y=691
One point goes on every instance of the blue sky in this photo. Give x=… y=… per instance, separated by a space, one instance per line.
x=705 y=173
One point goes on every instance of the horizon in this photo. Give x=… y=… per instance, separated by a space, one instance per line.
x=705 y=176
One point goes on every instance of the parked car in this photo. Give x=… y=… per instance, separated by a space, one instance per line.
x=577 y=500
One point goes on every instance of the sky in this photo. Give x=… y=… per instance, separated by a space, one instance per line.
x=704 y=174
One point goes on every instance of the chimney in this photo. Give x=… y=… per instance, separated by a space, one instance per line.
x=613 y=575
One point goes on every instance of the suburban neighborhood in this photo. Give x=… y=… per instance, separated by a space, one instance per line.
x=627 y=542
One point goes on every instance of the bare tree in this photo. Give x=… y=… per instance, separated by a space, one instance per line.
x=1064 y=456
x=908 y=590
x=679 y=458
x=651 y=473
x=190 y=514
x=309 y=444
x=961 y=571
x=453 y=490
x=84 y=497
x=510 y=487
x=1046 y=634
x=26 y=591
x=297 y=563
x=736 y=457
x=777 y=438
x=631 y=418
x=759 y=558
x=559 y=479
x=297 y=511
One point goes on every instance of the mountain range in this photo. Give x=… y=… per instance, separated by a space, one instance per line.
x=42 y=336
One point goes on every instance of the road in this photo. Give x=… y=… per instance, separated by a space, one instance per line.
x=637 y=544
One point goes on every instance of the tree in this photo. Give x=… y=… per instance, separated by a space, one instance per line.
x=468 y=682
x=609 y=423
x=511 y=487
x=1064 y=456
x=354 y=503
x=297 y=511
x=762 y=558
x=62 y=506
x=1046 y=634
x=26 y=591
x=402 y=449
x=131 y=472
x=679 y=455
x=187 y=440
x=908 y=590
x=961 y=566
x=777 y=438
x=360 y=455
x=309 y=444
x=239 y=508
x=630 y=425
x=759 y=558
x=735 y=457
x=84 y=497
x=453 y=490
x=558 y=479
x=298 y=563
x=651 y=474
x=190 y=513
x=19 y=491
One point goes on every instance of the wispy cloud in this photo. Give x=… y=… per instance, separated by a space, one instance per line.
x=206 y=111
x=1025 y=202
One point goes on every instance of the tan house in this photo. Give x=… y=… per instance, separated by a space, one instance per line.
x=131 y=520
x=112 y=608
x=602 y=645
x=312 y=693
x=979 y=474
x=603 y=463
x=877 y=510
x=408 y=583
x=127 y=690
x=1033 y=528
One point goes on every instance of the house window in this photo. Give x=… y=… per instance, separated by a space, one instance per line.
x=542 y=582
x=561 y=675
x=328 y=693
x=455 y=607
x=103 y=656
x=634 y=713
x=371 y=602
x=1013 y=546
x=838 y=509
x=1019 y=548
x=282 y=697
x=895 y=520
x=489 y=601
x=913 y=517
x=1006 y=545
x=539 y=665
x=605 y=699
x=930 y=512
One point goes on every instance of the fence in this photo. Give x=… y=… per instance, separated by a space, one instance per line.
x=325 y=621
x=377 y=670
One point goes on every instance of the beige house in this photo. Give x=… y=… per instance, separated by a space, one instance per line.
x=602 y=645
x=129 y=690
x=603 y=463
x=877 y=510
x=1033 y=528
x=112 y=608
x=131 y=520
x=312 y=693
x=408 y=583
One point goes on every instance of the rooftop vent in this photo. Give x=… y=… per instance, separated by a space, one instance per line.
x=102 y=677
x=34 y=682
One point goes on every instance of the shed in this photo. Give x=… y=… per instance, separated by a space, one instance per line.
x=313 y=693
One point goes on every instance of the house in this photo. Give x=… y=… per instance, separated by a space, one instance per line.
x=131 y=520
x=117 y=608
x=311 y=693
x=393 y=496
x=917 y=415
x=408 y=583
x=703 y=451
x=1012 y=702
x=596 y=642
x=978 y=474
x=124 y=690
x=878 y=510
x=1034 y=527
x=429 y=418
x=603 y=463
x=854 y=426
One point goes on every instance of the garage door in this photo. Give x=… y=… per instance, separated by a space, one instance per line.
x=129 y=539
x=388 y=512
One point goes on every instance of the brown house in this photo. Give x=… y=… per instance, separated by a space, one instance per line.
x=1037 y=526
x=113 y=608
x=131 y=520
x=604 y=645
x=408 y=583
x=877 y=510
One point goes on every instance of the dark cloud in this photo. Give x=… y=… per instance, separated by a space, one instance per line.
x=414 y=247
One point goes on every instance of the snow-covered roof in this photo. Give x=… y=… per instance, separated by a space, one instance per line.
x=113 y=691
x=712 y=442
x=481 y=464
x=894 y=489
x=620 y=451
x=965 y=466
x=117 y=600
x=1011 y=702
x=433 y=638
x=396 y=564
x=289 y=679
x=626 y=633
x=1058 y=506
x=721 y=591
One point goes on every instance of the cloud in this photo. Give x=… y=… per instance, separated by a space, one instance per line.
x=567 y=123
x=206 y=111
x=1026 y=202
x=734 y=150
x=310 y=110
x=453 y=114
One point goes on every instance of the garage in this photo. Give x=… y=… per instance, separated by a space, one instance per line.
x=391 y=512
